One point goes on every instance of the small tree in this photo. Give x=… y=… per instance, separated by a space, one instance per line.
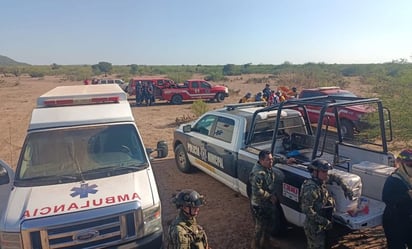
x=54 y=66
x=133 y=69
x=104 y=67
x=229 y=69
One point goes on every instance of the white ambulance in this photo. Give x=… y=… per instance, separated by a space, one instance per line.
x=83 y=179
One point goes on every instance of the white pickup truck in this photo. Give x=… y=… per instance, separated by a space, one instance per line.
x=225 y=143
x=83 y=179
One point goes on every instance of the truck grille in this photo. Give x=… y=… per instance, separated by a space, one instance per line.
x=89 y=233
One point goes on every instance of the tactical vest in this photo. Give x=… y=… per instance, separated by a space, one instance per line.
x=197 y=235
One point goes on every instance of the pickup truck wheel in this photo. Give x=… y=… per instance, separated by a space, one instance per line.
x=177 y=99
x=220 y=97
x=347 y=128
x=182 y=161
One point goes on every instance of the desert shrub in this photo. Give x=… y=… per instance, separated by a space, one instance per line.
x=199 y=107
x=214 y=77
x=179 y=77
x=257 y=80
x=36 y=74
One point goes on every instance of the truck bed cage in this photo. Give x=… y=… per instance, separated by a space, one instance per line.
x=326 y=103
x=231 y=107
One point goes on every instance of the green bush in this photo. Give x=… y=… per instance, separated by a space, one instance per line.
x=199 y=107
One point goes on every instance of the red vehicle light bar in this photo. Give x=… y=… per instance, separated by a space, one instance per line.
x=87 y=101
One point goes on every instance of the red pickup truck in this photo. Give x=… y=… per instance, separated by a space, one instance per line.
x=193 y=89
x=351 y=117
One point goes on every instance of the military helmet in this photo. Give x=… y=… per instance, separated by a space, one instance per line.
x=320 y=164
x=406 y=157
x=188 y=198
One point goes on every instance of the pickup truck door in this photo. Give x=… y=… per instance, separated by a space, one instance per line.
x=194 y=88
x=212 y=149
x=290 y=179
x=6 y=180
x=206 y=90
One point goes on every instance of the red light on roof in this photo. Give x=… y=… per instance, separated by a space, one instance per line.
x=86 y=101
x=58 y=102
x=105 y=100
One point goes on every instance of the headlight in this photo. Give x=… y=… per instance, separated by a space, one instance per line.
x=152 y=219
x=10 y=240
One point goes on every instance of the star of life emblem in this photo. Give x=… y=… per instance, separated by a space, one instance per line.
x=84 y=190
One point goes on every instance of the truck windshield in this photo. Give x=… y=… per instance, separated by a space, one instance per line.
x=67 y=155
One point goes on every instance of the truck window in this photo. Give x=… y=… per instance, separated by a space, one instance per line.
x=80 y=152
x=263 y=131
x=224 y=129
x=195 y=84
x=205 y=85
x=204 y=126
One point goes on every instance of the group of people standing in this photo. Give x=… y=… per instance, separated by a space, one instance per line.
x=145 y=93
x=269 y=96
x=315 y=202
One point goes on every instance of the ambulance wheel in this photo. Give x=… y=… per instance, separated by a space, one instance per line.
x=182 y=161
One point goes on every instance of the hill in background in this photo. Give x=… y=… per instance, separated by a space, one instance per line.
x=6 y=61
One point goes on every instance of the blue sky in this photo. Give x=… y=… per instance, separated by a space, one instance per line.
x=209 y=32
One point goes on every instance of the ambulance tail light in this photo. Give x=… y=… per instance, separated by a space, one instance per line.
x=10 y=240
x=81 y=101
x=152 y=219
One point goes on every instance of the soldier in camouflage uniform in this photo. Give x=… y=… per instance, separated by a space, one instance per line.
x=317 y=204
x=263 y=197
x=184 y=232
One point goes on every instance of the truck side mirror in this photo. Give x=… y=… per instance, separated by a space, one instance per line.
x=4 y=176
x=187 y=128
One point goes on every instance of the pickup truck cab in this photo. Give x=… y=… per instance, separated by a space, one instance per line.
x=351 y=117
x=225 y=143
x=83 y=179
x=196 y=89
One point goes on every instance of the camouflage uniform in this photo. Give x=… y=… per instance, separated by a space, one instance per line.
x=262 y=182
x=185 y=233
x=317 y=205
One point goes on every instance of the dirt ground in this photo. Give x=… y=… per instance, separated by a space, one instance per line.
x=226 y=217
